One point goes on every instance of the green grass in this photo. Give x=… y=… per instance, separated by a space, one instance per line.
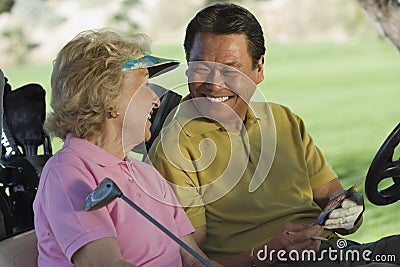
x=348 y=95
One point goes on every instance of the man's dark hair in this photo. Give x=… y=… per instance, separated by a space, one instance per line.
x=227 y=19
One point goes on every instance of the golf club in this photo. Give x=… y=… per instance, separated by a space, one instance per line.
x=107 y=191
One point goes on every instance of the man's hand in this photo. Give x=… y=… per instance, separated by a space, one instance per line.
x=292 y=237
x=348 y=215
x=296 y=237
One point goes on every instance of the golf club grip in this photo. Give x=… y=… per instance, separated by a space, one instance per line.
x=166 y=231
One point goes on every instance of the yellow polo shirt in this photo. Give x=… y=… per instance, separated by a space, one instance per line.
x=212 y=171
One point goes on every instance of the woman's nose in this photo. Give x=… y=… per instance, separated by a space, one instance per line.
x=156 y=103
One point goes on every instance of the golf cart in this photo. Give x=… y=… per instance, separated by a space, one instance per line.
x=22 y=116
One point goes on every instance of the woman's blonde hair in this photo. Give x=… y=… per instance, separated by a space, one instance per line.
x=87 y=80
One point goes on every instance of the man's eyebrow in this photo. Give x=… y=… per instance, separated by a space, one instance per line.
x=233 y=63
x=229 y=63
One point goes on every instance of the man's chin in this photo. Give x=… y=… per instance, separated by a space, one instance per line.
x=224 y=117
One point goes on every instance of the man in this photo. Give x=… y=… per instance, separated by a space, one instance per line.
x=248 y=174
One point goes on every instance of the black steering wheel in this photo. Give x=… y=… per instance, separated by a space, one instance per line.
x=383 y=167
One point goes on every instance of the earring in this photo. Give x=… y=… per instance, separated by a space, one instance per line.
x=114 y=114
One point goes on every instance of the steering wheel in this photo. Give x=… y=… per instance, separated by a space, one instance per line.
x=383 y=167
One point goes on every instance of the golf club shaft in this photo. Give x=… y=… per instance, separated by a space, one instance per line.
x=166 y=231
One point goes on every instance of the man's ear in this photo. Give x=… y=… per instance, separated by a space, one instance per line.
x=260 y=70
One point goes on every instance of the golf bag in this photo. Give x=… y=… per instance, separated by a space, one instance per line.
x=25 y=149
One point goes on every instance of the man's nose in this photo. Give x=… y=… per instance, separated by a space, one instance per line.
x=214 y=80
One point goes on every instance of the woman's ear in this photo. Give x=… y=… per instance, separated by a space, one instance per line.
x=113 y=112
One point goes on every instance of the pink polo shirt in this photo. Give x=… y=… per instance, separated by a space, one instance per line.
x=62 y=226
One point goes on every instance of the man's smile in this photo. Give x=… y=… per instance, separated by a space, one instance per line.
x=218 y=99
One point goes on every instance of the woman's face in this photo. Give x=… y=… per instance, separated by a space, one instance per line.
x=137 y=104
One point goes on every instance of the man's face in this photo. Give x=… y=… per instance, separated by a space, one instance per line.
x=221 y=75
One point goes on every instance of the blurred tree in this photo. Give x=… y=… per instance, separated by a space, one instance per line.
x=386 y=16
x=211 y=2
x=6 y=5
x=18 y=43
x=122 y=20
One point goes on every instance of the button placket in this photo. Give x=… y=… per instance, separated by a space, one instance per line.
x=131 y=178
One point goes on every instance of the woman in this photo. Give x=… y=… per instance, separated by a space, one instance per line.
x=101 y=108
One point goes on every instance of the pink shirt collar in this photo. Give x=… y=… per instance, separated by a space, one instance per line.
x=90 y=151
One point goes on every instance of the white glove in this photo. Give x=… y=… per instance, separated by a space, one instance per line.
x=348 y=214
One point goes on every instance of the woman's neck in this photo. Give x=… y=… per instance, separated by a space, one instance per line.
x=111 y=141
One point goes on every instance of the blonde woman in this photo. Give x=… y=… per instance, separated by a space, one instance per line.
x=101 y=108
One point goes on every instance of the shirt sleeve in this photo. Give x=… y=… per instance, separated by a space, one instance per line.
x=185 y=184
x=320 y=171
x=182 y=221
x=65 y=188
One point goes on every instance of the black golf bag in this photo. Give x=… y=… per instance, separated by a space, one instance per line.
x=25 y=149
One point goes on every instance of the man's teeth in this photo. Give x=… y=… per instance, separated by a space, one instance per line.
x=218 y=99
x=148 y=116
